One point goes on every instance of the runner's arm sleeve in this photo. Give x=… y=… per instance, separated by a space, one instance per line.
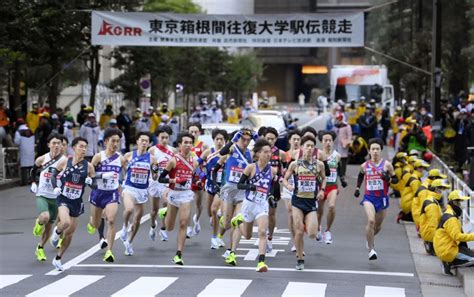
x=243 y=185
x=214 y=173
x=162 y=178
x=54 y=174
x=327 y=171
x=34 y=174
x=226 y=149
x=155 y=168
x=341 y=177
x=360 y=179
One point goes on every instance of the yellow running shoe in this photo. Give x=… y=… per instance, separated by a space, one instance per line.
x=162 y=212
x=231 y=259
x=38 y=229
x=221 y=222
x=178 y=260
x=237 y=220
x=109 y=257
x=262 y=267
x=90 y=229
x=60 y=243
x=40 y=255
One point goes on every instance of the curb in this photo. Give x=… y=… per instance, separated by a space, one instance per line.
x=466 y=276
x=9 y=183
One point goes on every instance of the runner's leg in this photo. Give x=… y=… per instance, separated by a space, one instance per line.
x=184 y=214
x=321 y=204
x=139 y=209
x=370 y=227
x=128 y=204
x=170 y=218
x=110 y=213
x=298 y=226
x=68 y=235
x=331 y=209
x=379 y=217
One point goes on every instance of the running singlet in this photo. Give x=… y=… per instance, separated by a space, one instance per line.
x=45 y=188
x=163 y=155
x=197 y=150
x=211 y=163
x=305 y=179
x=262 y=180
x=138 y=171
x=275 y=159
x=184 y=171
x=74 y=179
x=111 y=164
x=235 y=165
x=332 y=163
x=375 y=186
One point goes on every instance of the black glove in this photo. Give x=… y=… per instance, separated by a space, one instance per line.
x=386 y=176
x=272 y=202
x=357 y=193
x=343 y=182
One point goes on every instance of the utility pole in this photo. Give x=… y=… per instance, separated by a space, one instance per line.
x=436 y=74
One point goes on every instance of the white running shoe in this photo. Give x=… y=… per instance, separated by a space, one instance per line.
x=226 y=254
x=103 y=243
x=123 y=233
x=269 y=246
x=189 y=232
x=163 y=235
x=57 y=264
x=54 y=238
x=372 y=255
x=128 y=248
x=152 y=233
x=293 y=248
x=221 y=242
x=197 y=226
x=214 y=243
x=327 y=237
x=319 y=237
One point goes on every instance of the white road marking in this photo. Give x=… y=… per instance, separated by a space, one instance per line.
x=374 y=291
x=10 y=279
x=296 y=289
x=78 y=259
x=66 y=286
x=146 y=286
x=115 y=266
x=252 y=254
x=225 y=287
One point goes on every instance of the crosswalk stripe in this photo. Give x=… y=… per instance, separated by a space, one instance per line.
x=146 y=286
x=294 y=289
x=225 y=287
x=10 y=279
x=374 y=291
x=66 y=286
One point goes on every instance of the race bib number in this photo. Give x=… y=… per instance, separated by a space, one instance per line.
x=333 y=176
x=186 y=186
x=258 y=196
x=72 y=191
x=45 y=183
x=306 y=184
x=219 y=176
x=139 y=176
x=375 y=184
x=108 y=184
x=235 y=174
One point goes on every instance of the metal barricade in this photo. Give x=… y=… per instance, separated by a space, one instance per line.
x=9 y=163
x=458 y=184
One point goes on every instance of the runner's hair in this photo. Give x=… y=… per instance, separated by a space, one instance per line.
x=143 y=133
x=216 y=132
x=376 y=141
x=163 y=129
x=259 y=144
x=109 y=132
x=183 y=134
x=308 y=138
x=77 y=139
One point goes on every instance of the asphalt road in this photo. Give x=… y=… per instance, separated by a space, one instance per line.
x=339 y=269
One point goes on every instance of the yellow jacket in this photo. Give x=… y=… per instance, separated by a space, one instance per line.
x=414 y=183
x=233 y=115
x=394 y=123
x=352 y=116
x=360 y=110
x=429 y=218
x=448 y=236
x=32 y=120
x=104 y=120
x=155 y=121
x=406 y=193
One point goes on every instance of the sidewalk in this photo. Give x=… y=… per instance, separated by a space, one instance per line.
x=9 y=183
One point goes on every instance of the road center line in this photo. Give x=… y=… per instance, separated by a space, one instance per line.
x=114 y=266
x=89 y=252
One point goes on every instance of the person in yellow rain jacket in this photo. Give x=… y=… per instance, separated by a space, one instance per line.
x=405 y=129
x=423 y=190
x=399 y=161
x=352 y=115
x=449 y=241
x=394 y=119
x=232 y=112
x=406 y=193
x=415 y=184
x=361 y=107
x=431 y=213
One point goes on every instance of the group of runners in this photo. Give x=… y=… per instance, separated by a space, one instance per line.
x=243 y=188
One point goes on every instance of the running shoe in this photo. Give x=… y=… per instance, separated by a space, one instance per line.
x=214 y=243
x=178 y=260
x=109 y=257
x=269 y=246
x=123 y=233
x=261 y=267
x=226 y=254
x=90 y=229
x=103 y=243
x=128 y=248
x=237 y=220
x=300 y=265
x=372 y=255
x=189 y=232
x=60 y=243
x=446 y=268
x=152 y=233
x=197 y=226
x=327 y=237
x=57 y=264
x=162 y=212
x=231 y=259
x=40 y=255
x=163 y=235
x=293 y=249
x=38 y=229
x=222 y=222
x=319 y=237
x=54 y=237
x=220 y=242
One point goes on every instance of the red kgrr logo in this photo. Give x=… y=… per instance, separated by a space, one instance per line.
x=109 y=29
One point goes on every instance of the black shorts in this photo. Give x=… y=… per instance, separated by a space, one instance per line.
x=306 y=205
x=76 y=206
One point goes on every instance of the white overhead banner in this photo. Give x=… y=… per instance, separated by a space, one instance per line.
x=259 y=30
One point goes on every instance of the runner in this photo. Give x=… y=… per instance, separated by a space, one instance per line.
x=334 y=163
x=195 y=129
x=45 y=195
x=257 y=180
x=138 y=164
x=294 y=139
x=306 y=191
x=163 y=152
x=236 y=157
x=76 y=173
x=278 y=162
x=181 y=169
x=210 y=157
x=105 y=198
x=378 y=174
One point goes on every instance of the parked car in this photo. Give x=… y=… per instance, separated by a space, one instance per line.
x=206 y=137
x=269 y=118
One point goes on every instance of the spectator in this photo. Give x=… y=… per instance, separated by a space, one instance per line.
x=68 y=114
x=415 y=139
x=385 y=122
x=68 y=132
x=25 y=139
x=42 y=133
x=142 y=124
x=343 y=140
x=248 y=109
x=232 y=112
x=90 y=131
x=196 y=116
x=106 y=116
x=358 y=150
x=124 y=122
x=82 y=115
x=5 y=117
x=216 y=113
x=368 y=124
x=32 y=118
x=461 y=140
x=56 y=124
x=155 y=120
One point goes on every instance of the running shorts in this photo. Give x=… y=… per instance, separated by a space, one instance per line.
x=380 y=203
x=328 y=190
x=178 y=198
x=231 y=194
x=139 y=195
x=304 y=204
x=45 y=204
x=75 y=206
x=252 y=211
x=156 y=189
x=100 y=198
